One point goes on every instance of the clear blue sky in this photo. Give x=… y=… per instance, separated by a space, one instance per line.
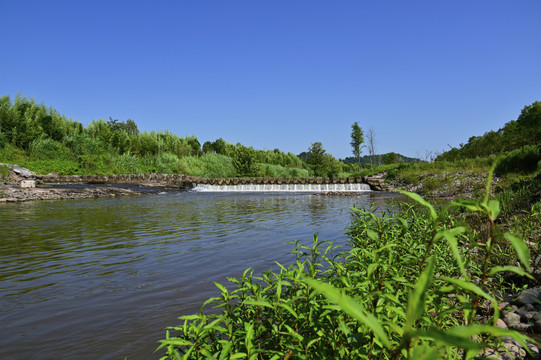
x=422 y=74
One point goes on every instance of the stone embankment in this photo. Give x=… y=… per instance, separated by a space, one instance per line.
x=187 y=182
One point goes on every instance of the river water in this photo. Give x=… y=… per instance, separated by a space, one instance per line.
x=103 y=278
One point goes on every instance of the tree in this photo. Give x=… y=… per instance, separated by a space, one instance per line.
x=357 y=139
x=371 y=139
x=245 y=161
x=207 y=147
x=220 y=146
x=322 y=163
x=390 y=158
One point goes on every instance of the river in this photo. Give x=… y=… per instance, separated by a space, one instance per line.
x=103 y=278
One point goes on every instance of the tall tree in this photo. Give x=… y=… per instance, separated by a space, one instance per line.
x=245 y=161
x=321 y=162
x=316 y=158
x=357 y=140
x=371 y=139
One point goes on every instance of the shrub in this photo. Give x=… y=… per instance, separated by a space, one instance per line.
x=3 y=140
x=210 y=165
x=46 y=149
x=521 y=160
x=269 y=170
x=126 y=163
x=4 y=171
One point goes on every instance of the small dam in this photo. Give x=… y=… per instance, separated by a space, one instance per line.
x=284 y=187
x=262 y=184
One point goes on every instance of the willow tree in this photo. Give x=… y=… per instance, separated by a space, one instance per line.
x=357 y=140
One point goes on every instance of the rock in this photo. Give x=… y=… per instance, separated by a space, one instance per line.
x=503 y=305
x=522 y=327
x=19 y=170
x=511 y=319
x=514 y=350
x=525 y=315
x=534 y=350
x=537 y=262
x=529 y=296
x=491 y=354
x=537 y=327
x=501 y=324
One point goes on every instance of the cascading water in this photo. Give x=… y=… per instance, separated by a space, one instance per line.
x=284 y=187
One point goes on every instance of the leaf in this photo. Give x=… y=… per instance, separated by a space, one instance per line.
x=470 y=205
x=351 y=307
x=294 y=333
x=425 y=352
x=521 y=249
x=207 y=354
x=226 y=350
x=239 y=355
x=385 y=247
x=469 y=286
x=258 y=303
x=221 y=287
x=423 y=202
x=450 y=236
x=177 y=342
x=372 y=234
x=288 y=308
x=417 y=298
x=469 y=331
x=510 y=268
x=450 y=338
x=493 y=209
x=249 y=327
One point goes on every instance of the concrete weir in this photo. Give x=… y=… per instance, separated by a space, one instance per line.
x=183 y=182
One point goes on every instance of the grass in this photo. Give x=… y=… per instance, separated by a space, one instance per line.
x=418 y=283
x=4 y=171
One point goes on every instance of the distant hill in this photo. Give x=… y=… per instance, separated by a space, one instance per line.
x=378 y=159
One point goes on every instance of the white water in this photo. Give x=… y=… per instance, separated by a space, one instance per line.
x=284 y=187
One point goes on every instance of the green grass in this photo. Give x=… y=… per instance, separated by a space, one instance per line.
x=4 y=171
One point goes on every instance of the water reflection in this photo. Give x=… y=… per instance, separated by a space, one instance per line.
x=103 y=278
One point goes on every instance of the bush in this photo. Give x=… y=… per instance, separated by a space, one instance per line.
x=210 y=165
x=3 y=140
x=47 y=149
x=523 y=160
x=126 y=163
x=245 y=161
x=269 y=170
x=4 y=171
x=62 y=167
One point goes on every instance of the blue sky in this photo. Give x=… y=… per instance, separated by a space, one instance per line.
x=422 y=74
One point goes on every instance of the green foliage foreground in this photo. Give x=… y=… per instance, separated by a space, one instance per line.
x=415 y=284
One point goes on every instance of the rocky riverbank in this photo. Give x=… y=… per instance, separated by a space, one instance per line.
x=11 y=189
x=9 y=193
x=445 y=185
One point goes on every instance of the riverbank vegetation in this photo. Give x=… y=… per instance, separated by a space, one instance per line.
x=43 y=140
